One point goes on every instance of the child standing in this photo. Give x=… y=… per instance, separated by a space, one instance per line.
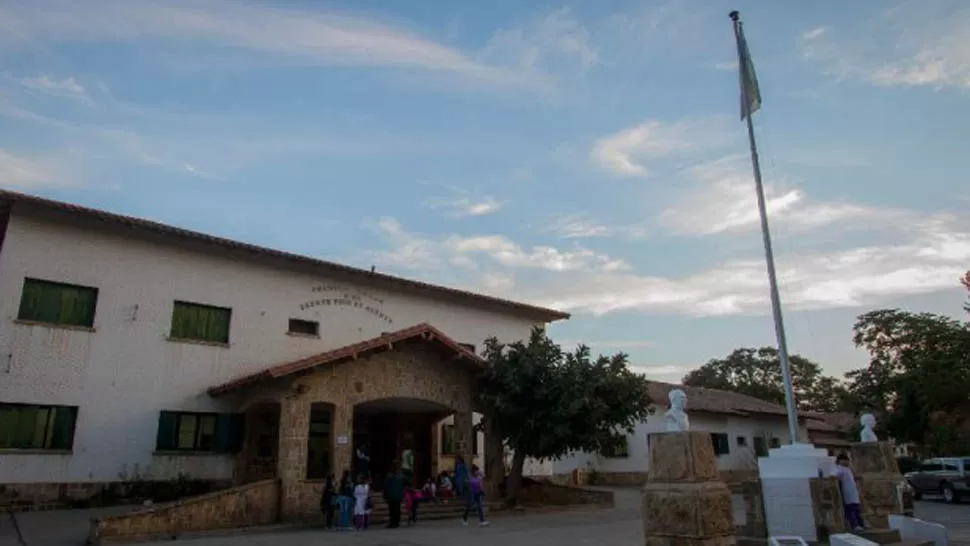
x=361 y=494
x=850 y=493
x=476 y=496
x=328 y=499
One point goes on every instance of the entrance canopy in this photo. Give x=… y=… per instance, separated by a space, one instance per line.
x=421 y=333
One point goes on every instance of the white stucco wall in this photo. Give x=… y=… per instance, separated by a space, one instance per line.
x=738 y=458
x=126 y=371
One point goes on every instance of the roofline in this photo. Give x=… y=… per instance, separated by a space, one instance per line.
x=381 y=279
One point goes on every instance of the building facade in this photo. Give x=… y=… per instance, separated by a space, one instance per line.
x=119 y=333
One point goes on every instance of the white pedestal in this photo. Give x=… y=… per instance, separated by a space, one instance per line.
x=785 y=475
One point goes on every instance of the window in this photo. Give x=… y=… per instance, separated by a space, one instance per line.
x=28 y=426
x=721 y=443
x=742 y=441
x=951 y=466
x=57 y=303
x=200 y=322
x=468 y=347
x=448 y=439
x=304 y=327
x=931 y=466
x=319 y=442
x=191 y=431
x=966 y=465
x=475 y=446
x=760 y=446
x=619 y=450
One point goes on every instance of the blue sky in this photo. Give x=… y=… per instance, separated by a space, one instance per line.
x=585 y=156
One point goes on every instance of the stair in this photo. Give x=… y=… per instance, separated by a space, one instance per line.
x=426 y=511
x=889 y=537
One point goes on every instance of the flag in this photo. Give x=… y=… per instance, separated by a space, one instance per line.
x=749 y=80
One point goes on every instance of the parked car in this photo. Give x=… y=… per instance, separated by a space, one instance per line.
x=948 y=477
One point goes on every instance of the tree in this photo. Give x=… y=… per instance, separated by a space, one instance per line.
x=917 y=378
x=965 y=281
x=757 y=373
x=544 y=403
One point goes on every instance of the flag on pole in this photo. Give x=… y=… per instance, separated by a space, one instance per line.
x=750 y=94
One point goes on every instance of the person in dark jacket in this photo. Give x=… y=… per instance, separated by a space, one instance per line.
x=394 y=487
x=328 y=499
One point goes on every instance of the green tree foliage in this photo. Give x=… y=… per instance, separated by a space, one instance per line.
x=757 y=373
x=918 y=377
x=544 y=402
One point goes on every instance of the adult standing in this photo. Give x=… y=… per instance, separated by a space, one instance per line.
x=461 y=477
x=394 y=486
x=363 y=461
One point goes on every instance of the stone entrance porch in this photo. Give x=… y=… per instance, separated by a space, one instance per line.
x=395 y=386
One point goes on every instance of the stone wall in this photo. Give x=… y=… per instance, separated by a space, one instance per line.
x=619 y=479
x=56 y=496
x=749 y=510
x=547 y=494
x=244 y=506
x=408 y=370
x=827 y=507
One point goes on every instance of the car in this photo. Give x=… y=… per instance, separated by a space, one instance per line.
x=948 y=477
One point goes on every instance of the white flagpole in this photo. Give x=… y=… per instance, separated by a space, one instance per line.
x=766 y=235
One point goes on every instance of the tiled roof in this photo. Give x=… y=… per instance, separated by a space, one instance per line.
x=423 y=332
x=702 y=399
x=840 y=421
x=120 y=223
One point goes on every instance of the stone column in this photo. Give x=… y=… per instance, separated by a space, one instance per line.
x=464 y=427
x=343 y=429
x=684 y=501
x=291 y=459
x=877 y=473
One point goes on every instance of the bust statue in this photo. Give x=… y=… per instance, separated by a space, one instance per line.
x=676 y=418
x=868 y=433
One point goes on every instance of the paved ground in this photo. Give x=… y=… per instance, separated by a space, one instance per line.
x=620 y=526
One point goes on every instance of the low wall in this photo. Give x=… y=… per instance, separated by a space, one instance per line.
x=749 y=510
x=618 y=479
x=244 y=506
x=54 y=496
x=827 y=507
x=547 y=494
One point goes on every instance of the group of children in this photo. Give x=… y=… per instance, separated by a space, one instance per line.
x=350 y=502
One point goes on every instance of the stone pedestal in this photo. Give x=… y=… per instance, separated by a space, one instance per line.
x=878 y=476
x=684 y=501
x=786 y=475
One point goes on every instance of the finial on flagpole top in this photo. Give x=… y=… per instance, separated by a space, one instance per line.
x=734 y=15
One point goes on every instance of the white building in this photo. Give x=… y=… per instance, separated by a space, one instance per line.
x=741 y=427
x=108 y=324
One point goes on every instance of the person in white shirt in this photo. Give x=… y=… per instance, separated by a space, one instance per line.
x=850 y=492
x=361 y=494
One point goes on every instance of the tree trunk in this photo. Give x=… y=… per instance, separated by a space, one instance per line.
x=514 y=482
x=494 y=461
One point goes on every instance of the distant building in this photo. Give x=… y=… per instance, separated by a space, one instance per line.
x=136 y=350
x=741 y=427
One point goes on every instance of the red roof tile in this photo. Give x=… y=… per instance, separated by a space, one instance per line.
x=423 y=332
x=120 y=222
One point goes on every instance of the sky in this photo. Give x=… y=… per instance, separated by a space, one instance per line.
x=586 y=156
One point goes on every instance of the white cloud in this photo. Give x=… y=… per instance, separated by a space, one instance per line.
x=628 y=152
x=911 y=44
x=412 y=250
x=30 y=173
x=66 y=88
x=326 y=38
x=929 y=256
x=553 y=41
x=465 y=205
x=583 y=227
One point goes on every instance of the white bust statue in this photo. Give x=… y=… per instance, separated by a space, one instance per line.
x=676 y=417
x=868 y=433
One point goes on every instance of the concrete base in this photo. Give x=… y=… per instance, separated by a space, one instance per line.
x=917 y=529
x=785 y=480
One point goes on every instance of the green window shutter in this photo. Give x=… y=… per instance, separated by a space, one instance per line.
x=67 y=311
x=218 y=325
x=77 y=306
x=230 y=431
x=30 y=300
x=50 y=303
x=62 y=436
x=167 y=431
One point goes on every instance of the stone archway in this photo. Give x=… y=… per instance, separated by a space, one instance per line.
x=259 y=458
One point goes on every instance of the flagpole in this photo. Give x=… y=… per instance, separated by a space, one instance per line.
x=766 y=235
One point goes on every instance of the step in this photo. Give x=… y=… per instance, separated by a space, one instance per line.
x=880 y=536
x=914 y=542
